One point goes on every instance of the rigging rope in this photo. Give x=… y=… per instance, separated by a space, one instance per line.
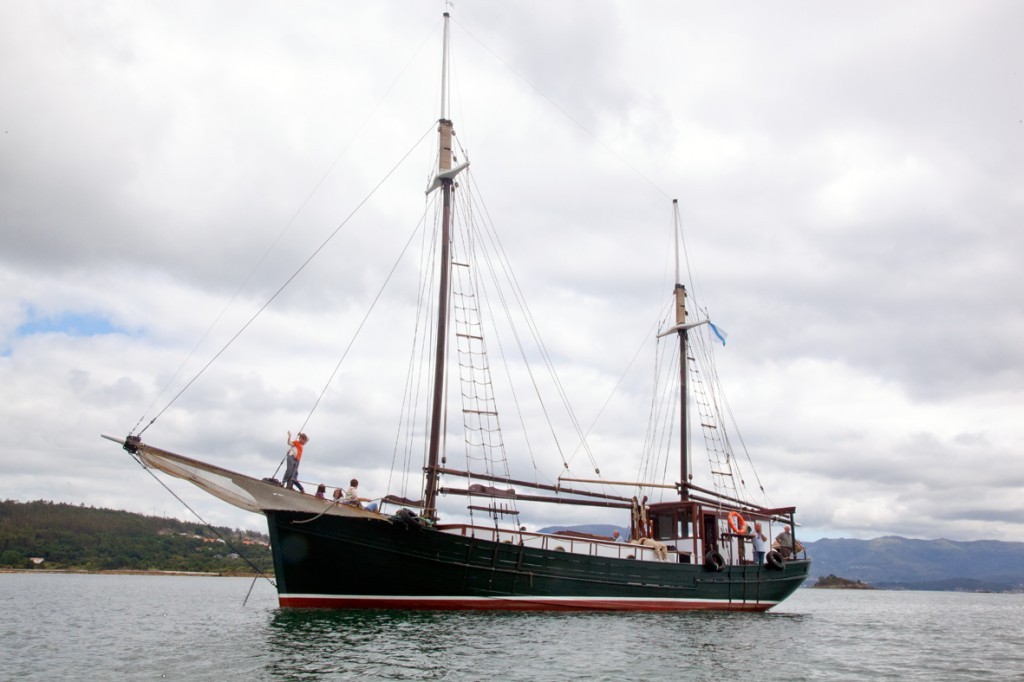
x=615 y=388
x=421 y=356
x=355 y=335
x=257 y=569
x=517 y=294
x=287 y=226
x=290 y=279
x=327 y=509
x=411 y=391
x=664 y=406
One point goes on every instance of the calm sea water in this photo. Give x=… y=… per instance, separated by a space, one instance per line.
x=196 y=628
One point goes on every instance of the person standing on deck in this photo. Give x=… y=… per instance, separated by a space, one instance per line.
x=785 y=543
x=758 y=539
x=291 y=471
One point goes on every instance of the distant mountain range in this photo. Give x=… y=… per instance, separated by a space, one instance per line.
x=893 y=562
x=897 y=563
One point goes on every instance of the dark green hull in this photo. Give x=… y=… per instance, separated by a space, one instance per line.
x=345 y=562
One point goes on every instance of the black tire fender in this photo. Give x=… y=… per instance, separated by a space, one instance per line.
x=775 y=560
x=714 y=561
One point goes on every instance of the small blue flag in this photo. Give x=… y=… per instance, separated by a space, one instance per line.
x=721 y=334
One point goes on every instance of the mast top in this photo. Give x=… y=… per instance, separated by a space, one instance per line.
x=445 y=129
x=678 y=232
x=444 y=70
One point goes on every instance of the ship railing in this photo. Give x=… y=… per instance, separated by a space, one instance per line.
x=589 y=546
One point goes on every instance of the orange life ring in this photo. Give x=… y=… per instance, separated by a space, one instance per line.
x=737 y=523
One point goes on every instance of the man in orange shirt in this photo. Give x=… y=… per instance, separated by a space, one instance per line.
x=291 y=471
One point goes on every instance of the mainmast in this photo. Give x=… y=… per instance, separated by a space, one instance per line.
x=445 y=178
x=684 y=430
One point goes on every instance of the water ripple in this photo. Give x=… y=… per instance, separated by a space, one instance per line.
x=190 y=628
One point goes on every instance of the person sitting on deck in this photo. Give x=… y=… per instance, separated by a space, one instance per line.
x=321 y=492
x=352 y=498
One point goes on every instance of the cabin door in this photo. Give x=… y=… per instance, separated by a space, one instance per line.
x=709 y=523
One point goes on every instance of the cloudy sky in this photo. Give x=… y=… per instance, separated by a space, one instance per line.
x=850 y=178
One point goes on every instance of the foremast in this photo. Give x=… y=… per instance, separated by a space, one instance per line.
x=445 y=179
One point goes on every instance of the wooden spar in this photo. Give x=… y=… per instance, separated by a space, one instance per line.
x=751 y=511
x=672 y=486
x=536 y=498
x=718 y=497
x=444 y=164
x=725 y=503
x=531 y=484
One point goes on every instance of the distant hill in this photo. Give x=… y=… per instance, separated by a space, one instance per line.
x=893 y=562
x=66 y=536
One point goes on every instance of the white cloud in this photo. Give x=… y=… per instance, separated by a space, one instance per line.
x=848 y=177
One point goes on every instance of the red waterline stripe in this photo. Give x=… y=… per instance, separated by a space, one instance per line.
x=517 y=603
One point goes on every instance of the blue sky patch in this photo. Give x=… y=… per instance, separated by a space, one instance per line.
x=72 y=324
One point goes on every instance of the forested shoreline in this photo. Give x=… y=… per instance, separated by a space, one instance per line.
x=44 y=535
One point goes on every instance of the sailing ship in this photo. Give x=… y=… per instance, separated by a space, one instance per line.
x=689 y=549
